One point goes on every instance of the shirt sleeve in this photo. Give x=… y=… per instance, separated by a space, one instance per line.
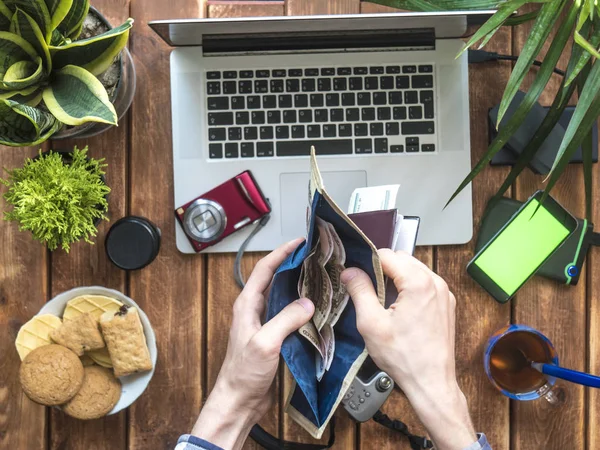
x=189 y=442
x=481 y=444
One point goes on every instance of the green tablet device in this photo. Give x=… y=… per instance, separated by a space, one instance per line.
x=517 y=251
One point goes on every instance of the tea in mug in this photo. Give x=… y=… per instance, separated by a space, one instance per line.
x=511 y=358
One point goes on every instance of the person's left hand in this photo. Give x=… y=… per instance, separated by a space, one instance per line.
x=241 y=396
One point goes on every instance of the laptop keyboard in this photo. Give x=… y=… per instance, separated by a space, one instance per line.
x=267 y=113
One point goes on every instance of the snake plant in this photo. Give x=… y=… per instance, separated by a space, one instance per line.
x=47 y=77
x=578 y=19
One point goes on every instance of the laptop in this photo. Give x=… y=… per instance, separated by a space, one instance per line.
x=381 y=97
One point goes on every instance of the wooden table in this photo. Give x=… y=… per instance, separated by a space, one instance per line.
x=189 y=298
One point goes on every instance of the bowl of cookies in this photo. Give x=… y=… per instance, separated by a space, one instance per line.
x=90 y=351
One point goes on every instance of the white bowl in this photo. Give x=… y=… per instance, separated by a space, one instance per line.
x=132 y=385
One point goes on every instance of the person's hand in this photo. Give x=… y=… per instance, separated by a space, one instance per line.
x=413 y=341
x=241 y=395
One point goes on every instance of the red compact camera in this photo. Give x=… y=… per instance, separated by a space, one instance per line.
x=221 y=212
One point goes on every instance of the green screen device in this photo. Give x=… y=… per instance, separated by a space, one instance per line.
x=519 y=249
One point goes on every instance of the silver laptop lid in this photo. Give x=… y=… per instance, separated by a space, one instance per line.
x=205 y=32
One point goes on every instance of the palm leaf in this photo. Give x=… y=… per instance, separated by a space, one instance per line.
x=37 y=10
x=441 y=5
x=521 y=19
x=95 y=54
x=71 y=25
x=585 y=56
x=24 y=25
x=545 y=72
x=76 y=97
x=22 y=125
x=58 y=10
x=542 y=27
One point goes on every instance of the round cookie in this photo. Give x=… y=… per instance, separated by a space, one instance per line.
x=98 y=395
x=51 y=375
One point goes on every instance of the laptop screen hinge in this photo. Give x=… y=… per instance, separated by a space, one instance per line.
x=319 y=42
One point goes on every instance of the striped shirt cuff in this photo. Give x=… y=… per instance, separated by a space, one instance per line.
x=481 y=444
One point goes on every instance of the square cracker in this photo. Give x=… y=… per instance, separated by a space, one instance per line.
x=79 y=334
x=126 y=342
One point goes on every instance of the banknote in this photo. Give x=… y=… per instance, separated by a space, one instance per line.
x=335 y=267
x=310 y=290
x=324 y=363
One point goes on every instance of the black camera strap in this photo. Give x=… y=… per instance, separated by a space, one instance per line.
x=595 y=240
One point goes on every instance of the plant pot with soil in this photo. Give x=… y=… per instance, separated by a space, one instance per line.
x=65 y=70
x=60 y=197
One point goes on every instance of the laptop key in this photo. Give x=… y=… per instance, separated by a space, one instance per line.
x=229 y=87
x=313 y=131
x=263 y=73
x=222 y=118
x=321 y=115
x=289 y=116
x=348 y=99
x=213 y=75
x=215 y=151
x=361 y=129
x=253 y=101
x=340 y=84
x=322 y=147
x=379 y=98
x=371 y=83
x=246 y=73
x=368 y=114
x=298 y=131
x=278 y=73
x=230 y=74
x=217 y=134
x=412 y=148
x=422 y=81
x=238 y=102
x=361 y=70
x=261 y=86
x=277 y=86
x=274 y=116
x=344 y=71
x=329 y=130
x=285 y=101
x=242 y=118
x=311 y=72
x=332 y=99
x=300 y=100
x=316 y=100
x=269 y=101
x=363 y=146
x=231 y=150
x=266 y=132
x=356 y=83
x=213 y=88
x=245 y=87
x=392 y=69
x=345 y=129
x=324 y=84
x=384 y=113
x=247 y=149
x=387 y=82
x=428 y=110
x=376 y=129
x=413 y=128
x=392 y=129
x=415 y=112
x=395 y=98
x=328 y=71
x=428 y=148
x=409 y=69
x=399 y=112
x=292 y=85
x=352 y=114
x=295 y=72
x=336 y=115
x=426 y=69
x=363 y=98
x=402 y=82
x=426 y=96
x=235 y=134
x=258 y=117
x=381 y=145
x=411 y=97
x=397 y=149
x=250 y=133
x=265 y=149
x=282 y=132
x=308 y=85
x=376 y=70
x=305 y=116
x=412 y=140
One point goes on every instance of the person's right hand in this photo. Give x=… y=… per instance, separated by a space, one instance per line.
x=413 y=341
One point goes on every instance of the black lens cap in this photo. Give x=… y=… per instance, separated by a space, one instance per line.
x=132 y=243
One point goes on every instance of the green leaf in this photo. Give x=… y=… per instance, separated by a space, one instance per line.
x=58 y=10
x=536 y=89
x=440 y=5
x=30 y=96
x=75 y=97
x=587 y=149
x=23 y=74
x=38 y=10
x=13 y=49
x=58 y=39
x=521 y=19
x=95 y=54
x=24 y=25
x=5 y=16
x=71 y=25
x=542 y=27
x=585 y=56
x=22 y=125
x=587 y=45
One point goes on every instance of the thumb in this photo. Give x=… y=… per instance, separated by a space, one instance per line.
x=289 y=319
x=361 y=290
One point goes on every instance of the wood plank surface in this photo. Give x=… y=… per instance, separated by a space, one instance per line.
x=172 y=289
x=312 y=7
x=23 y=291
x=556 y=310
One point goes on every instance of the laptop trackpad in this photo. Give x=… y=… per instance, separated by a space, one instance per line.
x=294 y=196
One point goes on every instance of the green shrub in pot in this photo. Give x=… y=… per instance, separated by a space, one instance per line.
x=58 y=197
x=47 y=77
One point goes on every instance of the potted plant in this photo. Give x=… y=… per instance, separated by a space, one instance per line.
x=49 y=79
x=60 y=197
x=579 y=19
